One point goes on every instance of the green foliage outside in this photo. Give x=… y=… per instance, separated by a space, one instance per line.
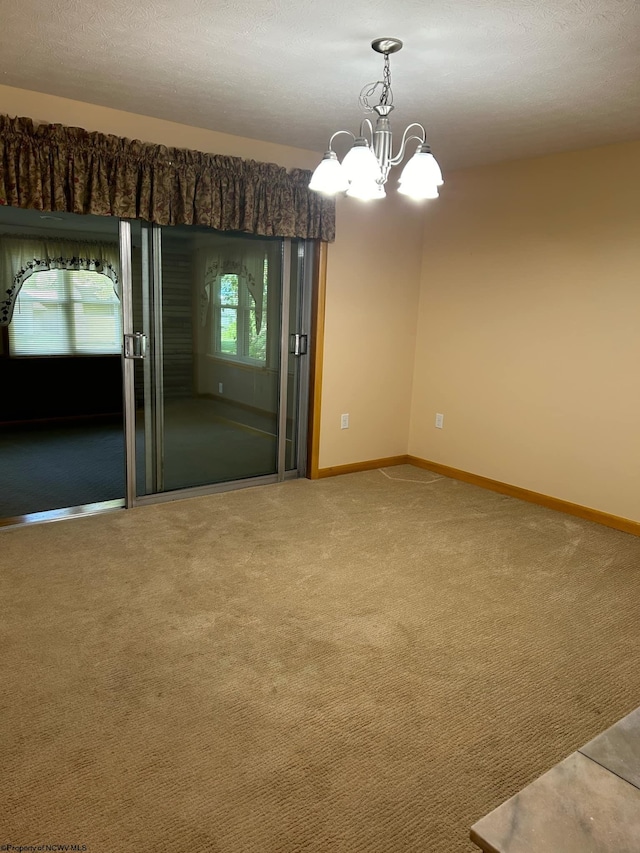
x=231 y=309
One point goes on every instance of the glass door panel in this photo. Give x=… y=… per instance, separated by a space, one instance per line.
x=298 y=340
x=148 y=432
x=217 y=396
x=210 y=381
x=221 y=356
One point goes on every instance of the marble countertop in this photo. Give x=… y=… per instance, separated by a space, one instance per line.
x=588 y=803
x=618 y=749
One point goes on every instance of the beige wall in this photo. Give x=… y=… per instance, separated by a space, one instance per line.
x=372 y=284
x=529 y=327
x=372 y=295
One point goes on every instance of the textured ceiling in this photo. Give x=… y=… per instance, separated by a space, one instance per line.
x=490 y=79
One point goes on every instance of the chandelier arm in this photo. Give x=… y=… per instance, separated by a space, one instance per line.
x=404 y=149
x=422 y=139
x=337 y=133
x=370 y=126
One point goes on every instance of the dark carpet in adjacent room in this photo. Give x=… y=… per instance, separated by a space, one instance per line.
x=46 y=466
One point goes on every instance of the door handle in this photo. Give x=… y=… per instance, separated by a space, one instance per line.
x=135 y=345
x=298 y=344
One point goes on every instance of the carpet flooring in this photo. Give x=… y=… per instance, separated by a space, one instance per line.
x=364 y=663
x=45 y=466
x=50 y=466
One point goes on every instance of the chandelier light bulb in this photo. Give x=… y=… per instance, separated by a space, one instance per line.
x=419 y=192
x=329 y=177
x=366 y=190
x=422 y=167
x=360 y=163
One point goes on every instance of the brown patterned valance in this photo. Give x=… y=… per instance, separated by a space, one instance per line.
x=67 y=169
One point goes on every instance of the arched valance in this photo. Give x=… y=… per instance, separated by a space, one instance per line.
x=68 y=169
x=22 y=257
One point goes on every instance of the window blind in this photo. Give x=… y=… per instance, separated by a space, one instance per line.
x=66 y=312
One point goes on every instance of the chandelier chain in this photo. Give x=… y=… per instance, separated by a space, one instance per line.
x=386 y=84
x=386 y=95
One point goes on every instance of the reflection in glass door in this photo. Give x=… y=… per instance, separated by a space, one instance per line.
x=220 y=387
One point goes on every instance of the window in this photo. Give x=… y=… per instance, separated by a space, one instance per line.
x=235 y=327
x=66 y=312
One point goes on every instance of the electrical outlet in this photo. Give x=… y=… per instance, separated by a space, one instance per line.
x=344 y=421
x=220 y=387
x=439 y=420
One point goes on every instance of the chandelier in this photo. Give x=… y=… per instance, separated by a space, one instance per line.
x=365 y=168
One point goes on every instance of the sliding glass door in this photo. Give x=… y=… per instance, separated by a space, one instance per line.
x=213 y=365
x=215 y=343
